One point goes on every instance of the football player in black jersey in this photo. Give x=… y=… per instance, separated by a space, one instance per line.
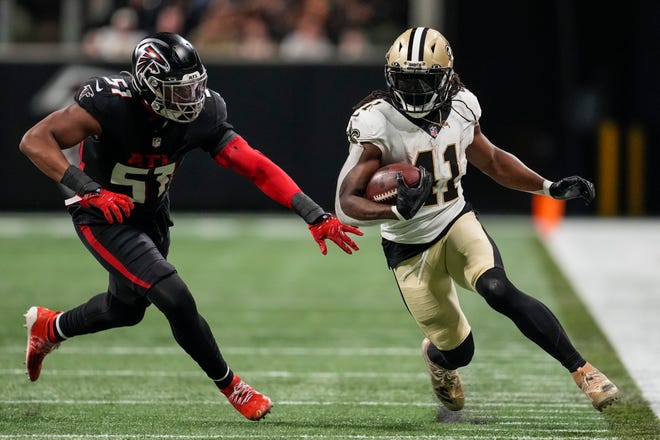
x=432 y=238
x=134 y=129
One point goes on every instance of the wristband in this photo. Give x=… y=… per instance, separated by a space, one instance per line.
x=307 y=208
x=545 y=190
x=75 y=179
x=396 y=212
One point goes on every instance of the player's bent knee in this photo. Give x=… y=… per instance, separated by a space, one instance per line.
x=172 y=297
x=132 y=316
x=106 y=311
x=496 y=288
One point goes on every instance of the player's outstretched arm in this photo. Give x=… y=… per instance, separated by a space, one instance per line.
x=507 y=170
x=278 y=185
x=324 y=225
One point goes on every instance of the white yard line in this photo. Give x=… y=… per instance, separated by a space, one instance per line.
x=117 y=350
x=315 y=375
x=614 y=265
x=544 y=408
x=285 y=437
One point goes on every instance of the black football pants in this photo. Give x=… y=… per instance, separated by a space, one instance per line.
x=135 y=257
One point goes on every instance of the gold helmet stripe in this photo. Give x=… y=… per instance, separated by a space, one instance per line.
x=416 y=46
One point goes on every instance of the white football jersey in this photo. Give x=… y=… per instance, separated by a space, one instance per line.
x=440 y=149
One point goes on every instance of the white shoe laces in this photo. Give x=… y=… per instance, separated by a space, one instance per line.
x=449 y=377
x=42 y=346
x=242 y=393
x=594 y=381
x=444 y=376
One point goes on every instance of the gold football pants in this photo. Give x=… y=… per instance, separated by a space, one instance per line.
x=427 y=280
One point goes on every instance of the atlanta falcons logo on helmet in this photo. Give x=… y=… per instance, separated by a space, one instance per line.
x=149 y=61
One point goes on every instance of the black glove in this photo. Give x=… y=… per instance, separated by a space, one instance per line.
x=409 y=200
x=573 y=187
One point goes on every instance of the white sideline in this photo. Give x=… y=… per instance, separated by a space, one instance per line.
x=614 y=265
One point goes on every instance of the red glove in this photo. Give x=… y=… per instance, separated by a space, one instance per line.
x=330 y=227
x=113 y=205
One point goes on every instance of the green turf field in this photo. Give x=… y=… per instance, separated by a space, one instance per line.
x=326 y=337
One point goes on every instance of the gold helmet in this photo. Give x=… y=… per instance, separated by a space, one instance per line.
x=418 y=71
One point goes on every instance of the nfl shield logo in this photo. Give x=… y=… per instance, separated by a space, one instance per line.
x=434 y=130
x=155 y=142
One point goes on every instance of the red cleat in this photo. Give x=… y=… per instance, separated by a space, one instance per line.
x=38 y=321
x=249 y=402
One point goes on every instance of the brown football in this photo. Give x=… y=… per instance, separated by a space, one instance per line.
x=382 y=187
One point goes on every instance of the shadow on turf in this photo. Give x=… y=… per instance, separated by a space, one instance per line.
x=446 y=416
x=443 y=416
x=379 y=424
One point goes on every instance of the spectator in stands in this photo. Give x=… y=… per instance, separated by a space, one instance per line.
x=171 y=19
x=218 y=32
x=255 y=42
x=309 y=39
x=258 y=29
x=115 y=41
x=278 y=15
x=353 y=45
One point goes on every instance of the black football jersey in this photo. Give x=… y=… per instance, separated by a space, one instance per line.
x=137 y=154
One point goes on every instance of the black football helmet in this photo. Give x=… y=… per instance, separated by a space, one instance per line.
x=418 y=71
x=169 y=74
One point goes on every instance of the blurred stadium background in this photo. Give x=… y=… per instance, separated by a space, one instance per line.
x=570 y=87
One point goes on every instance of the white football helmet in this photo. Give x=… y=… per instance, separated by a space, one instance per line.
x=418 y=71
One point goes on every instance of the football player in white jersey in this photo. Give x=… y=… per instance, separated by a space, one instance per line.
x=431 y=236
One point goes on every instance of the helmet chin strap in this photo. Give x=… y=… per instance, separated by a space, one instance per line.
x=417 y=115
x=414 y=115
x=180 y=115
x=152 y=113
x=403 y=106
